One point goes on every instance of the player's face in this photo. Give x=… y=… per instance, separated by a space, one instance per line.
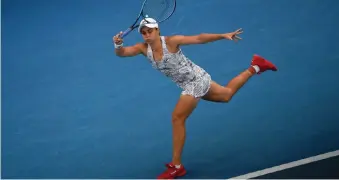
x=149 y=34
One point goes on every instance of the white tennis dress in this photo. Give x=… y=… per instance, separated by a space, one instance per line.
x=191 y=78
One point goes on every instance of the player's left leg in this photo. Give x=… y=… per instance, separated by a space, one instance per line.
x=218 y=93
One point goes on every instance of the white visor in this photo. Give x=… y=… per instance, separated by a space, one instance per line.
x=150 y=23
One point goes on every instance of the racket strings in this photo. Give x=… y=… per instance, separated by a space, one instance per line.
x=159 y=10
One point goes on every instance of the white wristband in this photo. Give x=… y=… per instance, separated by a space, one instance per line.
x=118 y=46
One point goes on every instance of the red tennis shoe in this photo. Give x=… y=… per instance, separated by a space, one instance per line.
x=172 y=172
x=263 y=64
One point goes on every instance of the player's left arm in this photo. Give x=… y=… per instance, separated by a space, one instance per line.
x=204 y=38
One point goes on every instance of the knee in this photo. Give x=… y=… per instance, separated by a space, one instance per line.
x=227 y=99
x=178 y=119
x=227 y=96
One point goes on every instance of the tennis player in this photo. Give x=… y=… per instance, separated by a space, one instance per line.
x=165 y=55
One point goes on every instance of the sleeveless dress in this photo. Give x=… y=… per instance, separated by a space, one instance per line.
x=191 y=78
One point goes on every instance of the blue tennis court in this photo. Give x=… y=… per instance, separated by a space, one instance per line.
x=72 y=109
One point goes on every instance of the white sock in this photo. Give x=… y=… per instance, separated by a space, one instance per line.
x=178 y=166
x=256 y=67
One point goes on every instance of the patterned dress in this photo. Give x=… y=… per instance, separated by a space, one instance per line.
x=191 y=78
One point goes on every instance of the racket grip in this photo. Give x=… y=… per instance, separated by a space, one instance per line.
x=126 y=32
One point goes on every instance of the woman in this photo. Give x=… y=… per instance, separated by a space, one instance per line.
x=165 y=55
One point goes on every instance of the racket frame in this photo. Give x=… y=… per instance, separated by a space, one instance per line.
x=144 y=16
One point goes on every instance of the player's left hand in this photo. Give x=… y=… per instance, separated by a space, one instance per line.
x=233 y=36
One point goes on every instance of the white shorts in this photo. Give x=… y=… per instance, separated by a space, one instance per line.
x=199 y=87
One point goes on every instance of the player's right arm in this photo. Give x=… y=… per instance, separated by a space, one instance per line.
x=128 y=51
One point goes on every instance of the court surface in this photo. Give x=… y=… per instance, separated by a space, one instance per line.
x=72 y=109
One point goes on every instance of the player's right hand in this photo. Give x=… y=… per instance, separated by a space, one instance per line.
x=117 y=39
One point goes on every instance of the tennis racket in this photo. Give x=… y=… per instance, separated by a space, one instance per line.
x=160 y=10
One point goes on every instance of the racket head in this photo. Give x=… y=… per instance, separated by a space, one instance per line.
x=160 y=10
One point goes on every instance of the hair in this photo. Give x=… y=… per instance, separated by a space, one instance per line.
x=159 y=31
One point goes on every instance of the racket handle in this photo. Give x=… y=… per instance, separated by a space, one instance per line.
x=126 y=32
